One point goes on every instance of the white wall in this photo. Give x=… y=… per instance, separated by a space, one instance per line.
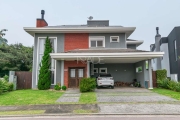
x=165 y=60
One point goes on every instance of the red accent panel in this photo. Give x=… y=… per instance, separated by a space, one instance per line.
x=76 y=41
x=68 y=64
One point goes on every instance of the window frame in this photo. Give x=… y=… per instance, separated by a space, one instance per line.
x=114 y=41
x=102 y=69
x=175 y=50
x=37 y=62
x=97 y=38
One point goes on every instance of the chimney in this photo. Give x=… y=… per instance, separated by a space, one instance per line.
x=157 y=48
x=41 y=22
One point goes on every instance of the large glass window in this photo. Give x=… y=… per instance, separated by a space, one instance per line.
x=41 y=43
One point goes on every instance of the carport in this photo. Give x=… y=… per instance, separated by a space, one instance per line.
x=124 y=64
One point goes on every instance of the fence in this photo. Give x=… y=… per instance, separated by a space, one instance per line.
x=24 y=79
x=154 y=79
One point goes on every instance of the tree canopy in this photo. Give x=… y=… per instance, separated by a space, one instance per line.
x=15 y=57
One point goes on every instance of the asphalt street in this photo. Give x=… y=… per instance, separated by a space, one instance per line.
x=98 y=117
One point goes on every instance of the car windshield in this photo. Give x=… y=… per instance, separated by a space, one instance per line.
x=105 y=75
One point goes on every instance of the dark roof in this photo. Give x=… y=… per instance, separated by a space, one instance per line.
x=104 y=50
x=163 y=40
x=77 y=26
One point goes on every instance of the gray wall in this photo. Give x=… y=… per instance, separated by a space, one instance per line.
x=165 y=59
x=108 y=44
x=60 y=48
x=120 y=72
x=144 y=75
x=157 y=45
x=131 y=46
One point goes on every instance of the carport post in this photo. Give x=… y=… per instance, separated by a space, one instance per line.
x=150 y=75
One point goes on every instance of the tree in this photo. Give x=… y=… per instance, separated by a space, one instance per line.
x=3 y=40
x=15 y=57
x=44 y=81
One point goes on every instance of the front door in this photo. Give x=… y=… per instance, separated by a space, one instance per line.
x=75 y=75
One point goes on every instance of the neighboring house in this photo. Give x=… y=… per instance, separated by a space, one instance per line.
x=170 y=46
x=90 y=49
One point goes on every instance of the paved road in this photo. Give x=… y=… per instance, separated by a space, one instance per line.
x=112 y=117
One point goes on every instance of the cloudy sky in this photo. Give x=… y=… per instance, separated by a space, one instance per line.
x=145 y=15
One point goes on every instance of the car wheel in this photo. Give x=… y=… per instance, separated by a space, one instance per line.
x=112 y=87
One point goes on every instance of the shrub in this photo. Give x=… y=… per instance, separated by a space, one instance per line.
x=161 y=74
x=57 y=87
x=6 y=78
x=64 y=87
x=87 y=84
x=163 y=83
x=177 y=87
x=172 y=85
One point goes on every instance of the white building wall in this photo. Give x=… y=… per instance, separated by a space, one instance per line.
x=165 y=59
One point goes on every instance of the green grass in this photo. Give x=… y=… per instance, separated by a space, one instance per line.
x=29 y=97
x=24 y=112
x=80 y=111
x=89 y=97
x=170 y=93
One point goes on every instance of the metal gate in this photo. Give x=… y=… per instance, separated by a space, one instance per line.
x=24 y=79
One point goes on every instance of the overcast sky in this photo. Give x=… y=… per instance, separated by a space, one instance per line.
x=145 y=15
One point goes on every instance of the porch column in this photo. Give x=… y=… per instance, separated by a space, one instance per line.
x=150 y=75
x=88 y=68
x=62 y=73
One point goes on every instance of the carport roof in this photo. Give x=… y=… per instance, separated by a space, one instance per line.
x=110 y=50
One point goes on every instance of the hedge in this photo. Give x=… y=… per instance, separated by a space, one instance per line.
x=161 y=74
x=87 y=84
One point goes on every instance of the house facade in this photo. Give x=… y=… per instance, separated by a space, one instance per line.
x=87 y=50
x=170 y=46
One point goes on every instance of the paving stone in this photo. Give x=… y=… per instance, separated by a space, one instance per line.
x=134 y=99
x=68 y=99
x=140 y=108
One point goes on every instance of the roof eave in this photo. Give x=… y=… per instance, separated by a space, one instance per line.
x=127 y=30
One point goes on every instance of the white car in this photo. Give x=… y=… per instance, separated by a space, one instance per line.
x=105 y=80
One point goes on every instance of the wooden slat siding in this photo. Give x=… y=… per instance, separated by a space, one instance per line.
x=24 y=79
x=154 y=78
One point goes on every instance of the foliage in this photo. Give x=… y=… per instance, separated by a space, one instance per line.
x=161 y=74
x=15 y=57
x=169 y=84
x=6 y=78
x=64 y=87
x=87 y=84
x=57 y=87
x=5 y=86
x=44 y=81
x=137 y=84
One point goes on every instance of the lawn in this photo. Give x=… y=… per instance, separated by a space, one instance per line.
x=170 y=93
x=24 y=112
x=89 y=97
x=29 y=97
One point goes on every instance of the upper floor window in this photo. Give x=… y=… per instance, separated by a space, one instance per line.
x=97 y=41
x=175 y=50
x=114 y=39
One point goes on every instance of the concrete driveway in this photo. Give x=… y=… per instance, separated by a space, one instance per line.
x=130 y=94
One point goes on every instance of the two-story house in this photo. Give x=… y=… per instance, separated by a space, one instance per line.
x=89 y=49
x=170 y=46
